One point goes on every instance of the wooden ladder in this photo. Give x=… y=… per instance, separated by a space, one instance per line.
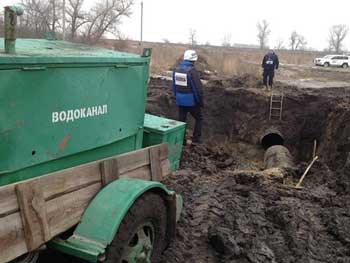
x=276 y=105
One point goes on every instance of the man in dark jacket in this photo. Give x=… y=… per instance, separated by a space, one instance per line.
x=188 y=91
x=270 y=63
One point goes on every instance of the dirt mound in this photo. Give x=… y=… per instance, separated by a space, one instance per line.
x=206 y=72
x=237 y=212
x=244 y=81
x=251 y=216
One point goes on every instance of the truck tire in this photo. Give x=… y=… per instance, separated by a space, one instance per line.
x=345 y=65
x=142 y=234
x=27 y=258
x=326 y=65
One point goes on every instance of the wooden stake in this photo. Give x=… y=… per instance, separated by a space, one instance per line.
x=306 y=171
x=315 y=149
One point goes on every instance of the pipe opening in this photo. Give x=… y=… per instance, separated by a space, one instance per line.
x=271 y=139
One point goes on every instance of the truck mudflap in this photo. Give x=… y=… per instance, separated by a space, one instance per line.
x=105 y=213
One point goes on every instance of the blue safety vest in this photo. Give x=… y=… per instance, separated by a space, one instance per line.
x=183 y=85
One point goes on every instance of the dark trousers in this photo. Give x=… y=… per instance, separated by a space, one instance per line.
x=196 y=113
x=268 y=77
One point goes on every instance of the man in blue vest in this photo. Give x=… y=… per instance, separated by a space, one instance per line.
x=270 y=63
x=188 y=91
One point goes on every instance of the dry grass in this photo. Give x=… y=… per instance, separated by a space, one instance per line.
x=225 y=61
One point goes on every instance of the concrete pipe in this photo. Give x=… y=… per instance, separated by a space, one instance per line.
x=278 y=156
x=271 y=137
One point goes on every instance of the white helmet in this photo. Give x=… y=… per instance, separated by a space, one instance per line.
x=191 y=55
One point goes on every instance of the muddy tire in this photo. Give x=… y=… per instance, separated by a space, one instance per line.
x=28 y=258
x=142 y=234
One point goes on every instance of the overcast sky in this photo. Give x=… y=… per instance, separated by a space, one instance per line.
x=172 y=19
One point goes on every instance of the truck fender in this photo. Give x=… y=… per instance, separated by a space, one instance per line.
x=103 y=216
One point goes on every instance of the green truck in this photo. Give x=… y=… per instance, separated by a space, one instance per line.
x=76 y=174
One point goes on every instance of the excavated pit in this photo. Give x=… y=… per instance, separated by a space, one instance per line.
x=240 y=115
x=236 y=210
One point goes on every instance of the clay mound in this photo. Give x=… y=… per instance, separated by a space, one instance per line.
x=243 y=81
x=202 y=66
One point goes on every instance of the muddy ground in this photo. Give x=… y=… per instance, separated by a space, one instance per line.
x=234 y=210
x=237 y=212
x=307 y=76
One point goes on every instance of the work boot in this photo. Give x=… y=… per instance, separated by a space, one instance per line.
x=197 y=142
x=184 y=143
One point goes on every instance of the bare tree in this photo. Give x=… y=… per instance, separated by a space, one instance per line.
x=40 y=16
x=76 y=17
x=55 y=9
x=293 y=40
x=301 y=43
x=35 y=17
x=226 y=40
x=279 y=44
x=263 y=33
x=297 y=41
x=105 y=17
x=337 y=34
x=193 y=37
x=46 y=15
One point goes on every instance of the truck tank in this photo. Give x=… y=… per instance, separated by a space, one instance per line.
x=64 y=104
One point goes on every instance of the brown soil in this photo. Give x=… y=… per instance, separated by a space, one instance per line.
x=236 y=212
x=249 y=216
x=202 y=66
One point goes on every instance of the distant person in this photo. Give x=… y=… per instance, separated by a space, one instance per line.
x=188 y=91
x=270 y=63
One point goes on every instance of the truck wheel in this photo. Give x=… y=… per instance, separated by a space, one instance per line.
x=345 y=65
x=142 y=234
x=27 y=258
x=326 y=65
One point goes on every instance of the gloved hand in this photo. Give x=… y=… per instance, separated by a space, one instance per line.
x=201 y=104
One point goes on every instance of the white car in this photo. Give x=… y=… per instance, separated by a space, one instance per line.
x=333 y=60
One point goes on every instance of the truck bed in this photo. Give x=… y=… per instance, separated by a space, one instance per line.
x=35 y=211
